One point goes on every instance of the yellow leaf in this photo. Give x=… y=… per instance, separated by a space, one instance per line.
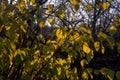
x=33 y=2
x=103 y=50
x=75 y=70
x=10 y=14
x=22 y=28
x=75 y=2
x=41 y=24
x=73 y=36
x=59 y=33
x=113 y=28
x=51 y=41
x=86 y=30
x=88 y=7
x=23 y=52
x=37 y=52
x=61 y=42
x=62 y=14
x=97 y=45
x=70 y=17
x=59 y=70
x=50 y=8
x=22 y=4
x=89 y=70
x=105 y=5
x=102 y=35
x=86 y=48
x=85 y=75
x=7 y=27
x=83 y=62
x=51 y=20
x=13 y=46
x=117 y=20
x=76 y=36
x=60 y=61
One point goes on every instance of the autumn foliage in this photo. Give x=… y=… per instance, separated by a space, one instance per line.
x=74 y=50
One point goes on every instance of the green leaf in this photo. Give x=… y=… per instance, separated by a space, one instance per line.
x=118 y=47
x=17 y=59
x=85 y=29
x=118 y=75
x=102 y=36
x=96 y=72
x=107 y=73
x=89 y=70
x=60 y=13
x=90 y=56
x=76 y=7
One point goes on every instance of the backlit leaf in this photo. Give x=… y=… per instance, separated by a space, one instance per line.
x=103 y=50
x=7 y=27
x=89 y=70
x=86 y=48
x=59 y=33
x=62 y=14
x=85 y=75
x=41 y=24
x=22 y=6
x=59 y=70
x=50 y=8
x=102 y=36
x=75 y=2
x=86 y=30
x=105 y=5
x=88 y=6
x=83 y=62
x=117 y=20
x=51 y=20
x=113 y=30
x=97 y=45
x=22 y=28
x=61 y=61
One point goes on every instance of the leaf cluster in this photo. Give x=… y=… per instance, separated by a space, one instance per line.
x=31 y=50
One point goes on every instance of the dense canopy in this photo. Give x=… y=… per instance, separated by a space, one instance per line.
x=59 y=39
